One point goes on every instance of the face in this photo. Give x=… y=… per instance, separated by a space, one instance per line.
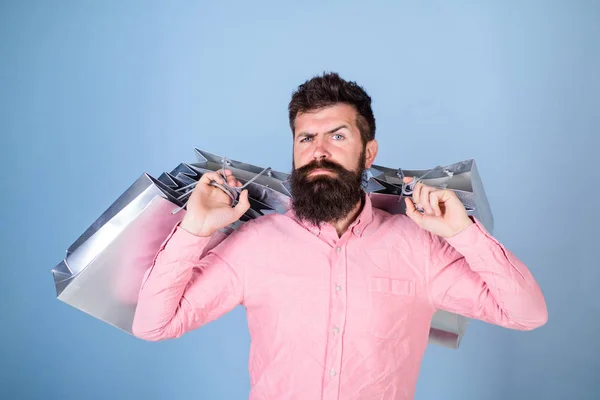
x=329 y=160
x=332 y=134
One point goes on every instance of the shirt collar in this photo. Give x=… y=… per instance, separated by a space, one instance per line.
x=357 y=227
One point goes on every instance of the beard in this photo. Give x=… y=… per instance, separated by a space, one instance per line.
x=326 y=197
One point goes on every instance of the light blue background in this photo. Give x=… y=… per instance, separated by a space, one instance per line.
x=94 y=93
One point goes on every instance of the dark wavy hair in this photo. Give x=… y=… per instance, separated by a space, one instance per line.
x=330 y=89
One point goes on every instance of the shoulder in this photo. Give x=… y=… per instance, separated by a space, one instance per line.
x=274 y=222
x=245 y=237
x=398 y=223
x=400 y=232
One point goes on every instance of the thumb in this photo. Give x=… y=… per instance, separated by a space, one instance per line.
x=243 y=204
x=411 y=211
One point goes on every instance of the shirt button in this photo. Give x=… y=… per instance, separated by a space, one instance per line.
x=338 y=249
x=358 y=231
x=338 y=288
x=332 y=372
x=336 y=330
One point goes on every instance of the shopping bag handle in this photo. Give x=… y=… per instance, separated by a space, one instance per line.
x=232 y=192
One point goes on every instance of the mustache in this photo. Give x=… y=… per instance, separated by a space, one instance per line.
x=322 y=164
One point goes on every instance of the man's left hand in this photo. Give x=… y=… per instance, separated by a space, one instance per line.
x=444 y=214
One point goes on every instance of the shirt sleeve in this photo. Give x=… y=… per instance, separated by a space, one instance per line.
x=474 y=275
x=193 y=280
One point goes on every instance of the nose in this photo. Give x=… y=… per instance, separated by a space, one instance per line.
x=320 y=152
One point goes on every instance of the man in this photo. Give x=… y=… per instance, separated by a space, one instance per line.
x=339 y=295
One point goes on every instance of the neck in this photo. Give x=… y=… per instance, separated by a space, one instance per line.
x=342 y=225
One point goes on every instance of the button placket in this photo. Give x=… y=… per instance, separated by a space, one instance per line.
x=336 y=264
x=338 y=314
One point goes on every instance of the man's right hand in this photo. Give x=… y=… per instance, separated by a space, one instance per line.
x=209 y=207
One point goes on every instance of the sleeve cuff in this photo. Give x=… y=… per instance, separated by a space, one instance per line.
x=184 y=244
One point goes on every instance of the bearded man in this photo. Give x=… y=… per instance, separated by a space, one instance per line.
x=339 y=295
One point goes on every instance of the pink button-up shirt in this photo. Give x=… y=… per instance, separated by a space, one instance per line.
x=335 y=317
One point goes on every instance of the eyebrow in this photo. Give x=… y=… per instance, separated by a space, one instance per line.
x=310 y=134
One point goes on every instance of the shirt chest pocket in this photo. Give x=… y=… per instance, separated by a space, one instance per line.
x=391 y=303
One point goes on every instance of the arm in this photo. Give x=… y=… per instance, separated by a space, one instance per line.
x=191 y=283
x=474 y=275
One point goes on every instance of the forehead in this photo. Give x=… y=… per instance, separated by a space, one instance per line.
x=325 y=118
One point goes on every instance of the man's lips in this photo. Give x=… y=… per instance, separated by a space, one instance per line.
x=320 y=171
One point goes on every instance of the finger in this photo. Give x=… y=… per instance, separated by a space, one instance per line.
x=231 y=181
x=421 y=196
x=412 y=212
x=407 y=179
x=243 y=204
x=209 y=177
x=450 y=199
x=434 y=198
x=425 y=199
x=416 y=195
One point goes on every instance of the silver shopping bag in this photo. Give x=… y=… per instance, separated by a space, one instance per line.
x=387 y=191
x=103 y=269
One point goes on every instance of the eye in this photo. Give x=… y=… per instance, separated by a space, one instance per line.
x=306 y=138
x=340 y=137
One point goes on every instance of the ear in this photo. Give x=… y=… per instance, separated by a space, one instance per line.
x=371 y=153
